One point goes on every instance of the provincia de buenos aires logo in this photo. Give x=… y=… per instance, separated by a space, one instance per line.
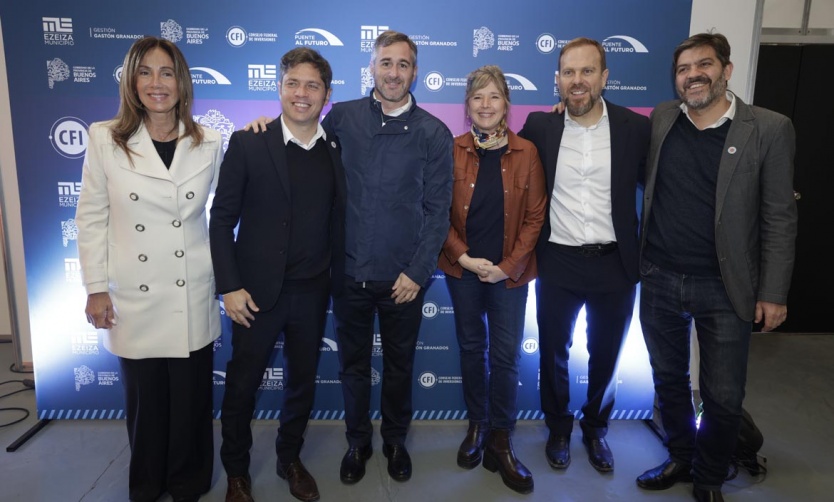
x=484 y=39
x=172 y=31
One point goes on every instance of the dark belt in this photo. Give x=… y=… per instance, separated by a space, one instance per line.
x=588 y=250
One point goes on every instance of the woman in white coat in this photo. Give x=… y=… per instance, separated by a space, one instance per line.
x=146 y=266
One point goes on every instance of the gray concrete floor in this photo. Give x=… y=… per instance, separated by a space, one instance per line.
x=788 y=394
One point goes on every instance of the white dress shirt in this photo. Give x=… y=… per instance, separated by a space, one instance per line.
x=288 y=136
x=580 y=205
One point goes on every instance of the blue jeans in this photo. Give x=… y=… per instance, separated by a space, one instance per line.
x=668 y=303
x=489 y=321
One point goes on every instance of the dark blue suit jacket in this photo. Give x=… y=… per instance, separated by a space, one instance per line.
x=254 y=192
x=630 y=133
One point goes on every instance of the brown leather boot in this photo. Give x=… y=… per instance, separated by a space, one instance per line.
x=239 y=489
x=469 y=453
x=499 y=456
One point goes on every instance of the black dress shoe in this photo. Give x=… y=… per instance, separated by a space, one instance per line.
x=557 y=451
x=472 y=447
x=302 y=485
x=702 y=495
x=239 y=489
x=599 y=453
x=353 y=463
x=399 y=462
x=665 y=475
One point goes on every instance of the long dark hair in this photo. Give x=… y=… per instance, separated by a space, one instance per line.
x=131 y=112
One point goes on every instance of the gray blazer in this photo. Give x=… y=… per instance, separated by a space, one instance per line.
x=755 y=210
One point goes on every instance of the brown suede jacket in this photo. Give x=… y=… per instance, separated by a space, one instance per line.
x=524 y=203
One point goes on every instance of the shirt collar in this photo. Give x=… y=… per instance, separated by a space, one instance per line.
x=728 y=115
x=288 y=135
x=397 y=111
x=569 y=121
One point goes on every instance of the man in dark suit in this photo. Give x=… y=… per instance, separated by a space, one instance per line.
x=719 y=224
x=285 y=191
x=593 y=157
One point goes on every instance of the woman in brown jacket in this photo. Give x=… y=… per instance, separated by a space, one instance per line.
x=498 y=205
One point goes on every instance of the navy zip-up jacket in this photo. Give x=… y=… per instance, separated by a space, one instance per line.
x=399 y=189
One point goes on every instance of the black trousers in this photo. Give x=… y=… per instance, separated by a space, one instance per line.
x=566 y=283
x=300 y=316
x=399 y=326
x=169 y=424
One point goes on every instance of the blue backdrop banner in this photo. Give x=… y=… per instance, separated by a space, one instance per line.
x=64 y=64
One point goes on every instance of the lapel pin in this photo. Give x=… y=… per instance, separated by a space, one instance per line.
x=731 y=150
x=333 y=144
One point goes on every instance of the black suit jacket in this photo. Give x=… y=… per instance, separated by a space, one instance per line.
x=253 y=194
x=630 y=133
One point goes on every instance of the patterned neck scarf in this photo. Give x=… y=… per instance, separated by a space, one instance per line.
x=488 y=141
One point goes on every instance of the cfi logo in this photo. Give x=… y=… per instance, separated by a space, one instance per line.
x=236 y=36
x=530 y=345
x=69 y=137
x=546 y=43
x=434 y=81
x=430 y=310
x=117 y=73
x=427 y=379
x=171 y=30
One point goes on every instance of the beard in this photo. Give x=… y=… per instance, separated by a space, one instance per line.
x=580 y=108
x=716 y=90
x=391 y=95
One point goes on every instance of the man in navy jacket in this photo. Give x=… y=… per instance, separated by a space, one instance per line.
x=398 y=164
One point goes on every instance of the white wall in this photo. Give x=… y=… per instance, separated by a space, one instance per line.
x=13 y=232
x=737 y=19
x=5 y=322
x=739 y=22
x=5 y=122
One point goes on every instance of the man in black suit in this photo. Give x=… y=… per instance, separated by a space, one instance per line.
x=285 y=191
x=593 y=157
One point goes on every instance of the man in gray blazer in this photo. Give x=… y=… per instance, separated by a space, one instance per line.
x=718 y=230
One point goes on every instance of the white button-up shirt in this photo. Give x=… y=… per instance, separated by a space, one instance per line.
x=288 y=136
x=580 y=205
